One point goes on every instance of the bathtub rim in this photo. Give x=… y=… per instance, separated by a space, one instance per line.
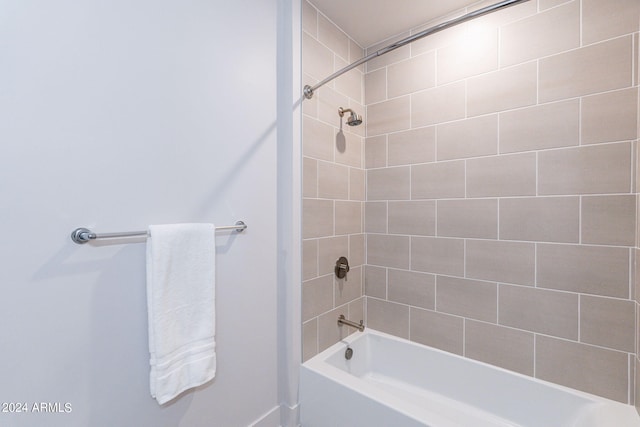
x=321 y=366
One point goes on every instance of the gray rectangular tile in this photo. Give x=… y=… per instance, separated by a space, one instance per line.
x=317 y=59
x=504 y=347
x=333 y=181
x=317 y=139
x=437 y=255
x=375 y=86
x=471 y=218
x=609 y=220
x=388 y=317
x=412 y=146
x=416 y=217
x=437 y=330
x=438 y=105
x=584 y=367
x=411 y=75
x=539 y=310
x=543 y=126
x=389 y=183
x=468 y=298
x=438 y=180
x=608 y=19
x=585 y=269
x=608 y=322
x=510 y=175
x=388 y=116
x=501 y=90
x=375 y=281
x=542 y=219
x=585 y=170
x=611 y=116
x=457 y=60
x=332 y=37
x=357 y=249
x=375 y=217
x=543 y=34
x=309 y=339
x=309 y=259
x=388 y=251
x=468 y=138
x=596 y=68
x=317 y=297
x=375 y=152
x=412 y=288
x=317 y=218
x=348 y=217
x=500 y=261
x=309 y=177
x=357 y=184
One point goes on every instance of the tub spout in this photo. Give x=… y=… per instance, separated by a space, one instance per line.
x=343 y=321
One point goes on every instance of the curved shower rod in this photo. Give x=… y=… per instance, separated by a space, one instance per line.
x=308 y=90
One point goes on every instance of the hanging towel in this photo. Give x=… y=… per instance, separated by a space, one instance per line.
x=180 y=303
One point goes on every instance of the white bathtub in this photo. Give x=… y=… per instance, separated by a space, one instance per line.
x=392 y=382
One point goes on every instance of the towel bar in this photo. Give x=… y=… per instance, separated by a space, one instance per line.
x=84 y=235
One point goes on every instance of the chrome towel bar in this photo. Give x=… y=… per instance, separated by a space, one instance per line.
x=84 y=235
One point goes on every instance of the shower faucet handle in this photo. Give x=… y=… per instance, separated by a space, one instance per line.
x=342 y=268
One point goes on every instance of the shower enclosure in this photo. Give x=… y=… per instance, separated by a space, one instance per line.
x=487 y=204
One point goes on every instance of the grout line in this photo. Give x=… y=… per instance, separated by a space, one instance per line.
x=386 y=284
x=579 y=316
x=435 y=65
x=464 y=258
x=529 y=242
x=581 y=15
x=466 y=98
x=504 y=156
x=580 y=108
x=631 y=376
x=537 y=82
x=465 y=178
x=499 y=56
x=497 y=303
x=435 y=292
x=464 y=336
x=386 y=151
x=535 y=265
x=535 y=340
x=498 y=220
x=537 y=166
x=435 y=232
x=632 y=273
x=498 y=134
x=633 y=60
x=580 y=219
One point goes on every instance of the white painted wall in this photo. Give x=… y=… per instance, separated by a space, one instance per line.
x=115 y=115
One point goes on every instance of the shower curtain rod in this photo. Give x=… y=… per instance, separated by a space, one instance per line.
x=308 y=90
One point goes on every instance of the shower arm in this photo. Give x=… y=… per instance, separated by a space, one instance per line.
x=341 y=111
x=308 y=90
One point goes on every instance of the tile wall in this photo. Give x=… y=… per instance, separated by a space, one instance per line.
x=501 y=205
x=500 y=214
x=333 y=185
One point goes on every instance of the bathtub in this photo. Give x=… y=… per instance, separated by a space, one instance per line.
x=392 y=382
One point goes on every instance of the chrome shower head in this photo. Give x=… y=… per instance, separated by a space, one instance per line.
x=354 y=119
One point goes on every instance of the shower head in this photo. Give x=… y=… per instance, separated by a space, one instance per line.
x=353 y=119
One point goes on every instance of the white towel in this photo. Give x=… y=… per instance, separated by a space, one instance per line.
x=181 y=306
